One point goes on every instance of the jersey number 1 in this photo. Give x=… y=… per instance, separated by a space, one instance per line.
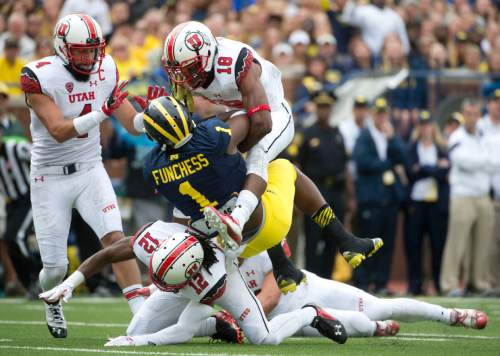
x=185 y=188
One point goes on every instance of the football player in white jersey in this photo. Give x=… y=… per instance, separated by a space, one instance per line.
x=335 y=295
x=195 y=268
x=233 y=74
x=69 y=94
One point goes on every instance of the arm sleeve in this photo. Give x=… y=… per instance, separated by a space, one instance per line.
x=242 y=66
x=29 y=82
x=462 y=157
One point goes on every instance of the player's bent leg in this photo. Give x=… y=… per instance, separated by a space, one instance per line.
x=159 y=311
x=278 y=207
x=56 y=323
x=183 y=331
x=309 y=200
x=127 y=274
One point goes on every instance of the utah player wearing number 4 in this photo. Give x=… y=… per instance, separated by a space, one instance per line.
x=233 y=74
x=69 y=95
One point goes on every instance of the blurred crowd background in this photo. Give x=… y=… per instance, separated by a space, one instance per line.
x=397 y=116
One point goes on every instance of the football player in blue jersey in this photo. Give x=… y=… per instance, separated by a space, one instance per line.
x=198 y=168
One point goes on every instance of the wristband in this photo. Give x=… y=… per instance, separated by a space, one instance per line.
x=83 y=124
x=258 y=108
x=75 y=279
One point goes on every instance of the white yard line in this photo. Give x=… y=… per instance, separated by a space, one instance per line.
x=450 y=336
x=70 y=323
x=6 y=340
x=121 y=351
x=416 y=339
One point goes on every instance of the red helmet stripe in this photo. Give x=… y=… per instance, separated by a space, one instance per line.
x=165 y=265
x=90 y=25
x=171 y=42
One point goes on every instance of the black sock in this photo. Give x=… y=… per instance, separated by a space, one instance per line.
x=278 y=258
x=326 y=220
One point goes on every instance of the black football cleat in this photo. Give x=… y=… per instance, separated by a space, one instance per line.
x=55 y=320
x=327 y=325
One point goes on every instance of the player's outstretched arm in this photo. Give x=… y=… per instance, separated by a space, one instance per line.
x=117 y=252
x=238 y=123
x=270 y=294
x=61 y=129
x=256 y=103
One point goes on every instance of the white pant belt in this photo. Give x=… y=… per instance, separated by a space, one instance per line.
x=67 y=169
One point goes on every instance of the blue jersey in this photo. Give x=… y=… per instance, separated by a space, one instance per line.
x=200 y=173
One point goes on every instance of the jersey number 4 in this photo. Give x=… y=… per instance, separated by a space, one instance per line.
x=226 y=62
x=185 y=188
x=86 y=109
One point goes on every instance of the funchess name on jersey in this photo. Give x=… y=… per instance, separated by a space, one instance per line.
x=180 y=169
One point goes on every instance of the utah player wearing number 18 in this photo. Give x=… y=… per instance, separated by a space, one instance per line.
x=69 y=95
x=232 y=73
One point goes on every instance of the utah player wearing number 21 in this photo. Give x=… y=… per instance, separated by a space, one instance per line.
x=69 y=95
x=233 y=74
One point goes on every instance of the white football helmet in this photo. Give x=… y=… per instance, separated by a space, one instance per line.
x=79 y=42
x=189 y=53
x=176 y=261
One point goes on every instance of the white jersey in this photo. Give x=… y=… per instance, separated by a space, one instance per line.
x=231 y=64
x=204 y=287
x=74 y=98
x=254 y=270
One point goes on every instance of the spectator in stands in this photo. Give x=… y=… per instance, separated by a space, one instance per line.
x=34 y=25
x=361 y=55
x=10 y=66
x=378 y=155
x=470 y=227
x=16 y=29
x=427 y=171
x=452 y=123
x=376 y=21
x=323 y=158
x=438 y=57
x=489 y=125
x=351 y=128
x=318 y=77
x=128 y=66
x=299 y=40
x=98 y=9
x=44 y=48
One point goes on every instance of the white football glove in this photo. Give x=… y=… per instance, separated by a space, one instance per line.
x=63 y=290
x=121 y=341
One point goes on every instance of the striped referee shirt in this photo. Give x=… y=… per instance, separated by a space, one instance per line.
x=14 y=169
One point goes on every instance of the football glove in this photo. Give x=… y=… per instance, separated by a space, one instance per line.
x=63 y=290
x=153 y=93
x=115 y=99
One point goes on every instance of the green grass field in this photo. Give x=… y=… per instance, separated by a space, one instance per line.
x=92 y=321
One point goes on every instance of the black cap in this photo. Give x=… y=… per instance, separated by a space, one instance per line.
x=425 y=117
x=360 y=101
x=380 y=104
x=324 y=97
x=11 y=42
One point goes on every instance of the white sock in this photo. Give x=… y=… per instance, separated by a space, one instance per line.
x=133 y=298
x=245 y=205
x=207 y=327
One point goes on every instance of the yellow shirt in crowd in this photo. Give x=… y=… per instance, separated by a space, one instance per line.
x=10 y=74
x=129 y=68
